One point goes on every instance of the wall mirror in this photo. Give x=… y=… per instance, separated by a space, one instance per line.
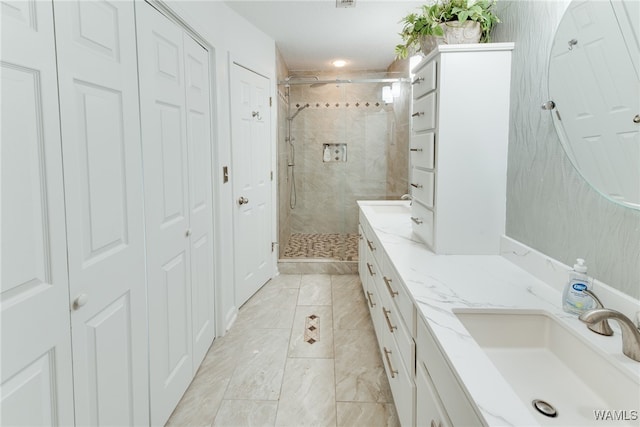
x=594 y=84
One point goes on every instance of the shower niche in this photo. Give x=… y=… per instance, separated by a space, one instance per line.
x=332 y=153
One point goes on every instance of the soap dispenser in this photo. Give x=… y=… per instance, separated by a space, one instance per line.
x=573 y=299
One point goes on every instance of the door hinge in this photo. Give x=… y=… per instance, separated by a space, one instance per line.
x=271 y=175
x=273 y=246
x=270 y=101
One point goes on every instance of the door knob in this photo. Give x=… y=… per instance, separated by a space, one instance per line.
x=243 y=201
x=80 y=300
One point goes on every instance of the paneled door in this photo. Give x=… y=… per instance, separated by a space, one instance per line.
x=250 y=133
x=37 y=387
x=596 y=93
x=177 y=177
x=99 y=108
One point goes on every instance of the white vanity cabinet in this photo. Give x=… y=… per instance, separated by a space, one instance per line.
x=393 y=316
x=458 y=150
x=440 y=400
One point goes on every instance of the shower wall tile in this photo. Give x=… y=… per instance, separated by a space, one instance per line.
x=549 y=206
x=327 y=192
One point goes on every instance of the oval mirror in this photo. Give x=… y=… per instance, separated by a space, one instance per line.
x=594 y=83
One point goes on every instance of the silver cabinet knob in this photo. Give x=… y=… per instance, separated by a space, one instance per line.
x=188 y=232
x=636 y=118
x=243 y=201
x=80 y=300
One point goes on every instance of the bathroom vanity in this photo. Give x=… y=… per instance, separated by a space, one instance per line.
x=450 y=326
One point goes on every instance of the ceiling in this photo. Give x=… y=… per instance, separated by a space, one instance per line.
x=310 y=34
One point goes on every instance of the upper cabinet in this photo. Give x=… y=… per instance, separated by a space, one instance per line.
x=459 y=138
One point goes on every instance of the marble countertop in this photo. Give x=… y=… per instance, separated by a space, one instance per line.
x=440 y=284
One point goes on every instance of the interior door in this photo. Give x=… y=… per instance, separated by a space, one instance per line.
x=250 y=115
x=196 y=63
x=176 y=136
x=36 y=386
x=99 y=108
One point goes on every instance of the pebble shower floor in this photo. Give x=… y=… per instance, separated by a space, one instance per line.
x=341 y=247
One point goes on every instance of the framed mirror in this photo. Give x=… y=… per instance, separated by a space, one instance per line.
x=594 y=85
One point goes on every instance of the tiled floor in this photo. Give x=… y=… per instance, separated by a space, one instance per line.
x=264 y=372
x=342 y=247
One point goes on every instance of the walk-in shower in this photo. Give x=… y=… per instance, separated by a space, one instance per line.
x=340 y=142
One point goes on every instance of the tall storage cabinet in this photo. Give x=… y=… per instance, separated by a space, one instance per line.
x=459 y=138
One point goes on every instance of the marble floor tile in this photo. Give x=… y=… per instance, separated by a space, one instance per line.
x=360 y=375
x=260 y=366
x=262 y=372
x=350 y=310
x=315 y=289
x=352 y=414
x=285 y=281
x=308 y=394
x=345 y=280
x=246 y=413
x=269 y=308
x=312 y=337
x=200 y=402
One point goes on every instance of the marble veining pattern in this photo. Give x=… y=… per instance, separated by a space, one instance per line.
x=439 y=284
x=263 y=373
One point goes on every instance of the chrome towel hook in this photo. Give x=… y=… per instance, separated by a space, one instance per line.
x=572 y=43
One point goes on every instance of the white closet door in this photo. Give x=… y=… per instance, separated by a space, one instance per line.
x=250 y=115
x=36 y=386
x=196 y=62
x=97 y=68
x=164 y=136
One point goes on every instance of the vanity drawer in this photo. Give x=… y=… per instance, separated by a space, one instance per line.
x=422 y=184
x=424 y=113
x=422 y=223
x=425 y=79
x=453 y=397
x=399 y=296
x=428 y=405
x=423 y=150
x=400 y=379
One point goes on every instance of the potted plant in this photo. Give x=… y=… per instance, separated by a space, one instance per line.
x=447 y=22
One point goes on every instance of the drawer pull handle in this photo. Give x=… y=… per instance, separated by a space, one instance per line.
x=416 y=185
x=418 y=114
x=387 y=282
x=370 y=270
x=417 y=81
x=370 y=243
x=391 y=370
x=386 y=316
x=371 y=303
x=359 y=236
x=416 y=220
x=415 y=149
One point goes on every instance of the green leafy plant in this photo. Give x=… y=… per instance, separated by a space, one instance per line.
x=427 y=22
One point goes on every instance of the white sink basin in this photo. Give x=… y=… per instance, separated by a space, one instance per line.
x=390 y=209
x=543 y=359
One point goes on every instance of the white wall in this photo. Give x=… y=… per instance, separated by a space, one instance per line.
x=234 y=39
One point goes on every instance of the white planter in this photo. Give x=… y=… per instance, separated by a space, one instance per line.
x=454 y=33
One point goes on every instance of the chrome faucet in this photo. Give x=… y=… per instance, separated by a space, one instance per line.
x=602 y=327
x=407 y=197
x=630 y=333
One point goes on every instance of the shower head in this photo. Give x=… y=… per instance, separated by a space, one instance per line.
x=298 y=111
